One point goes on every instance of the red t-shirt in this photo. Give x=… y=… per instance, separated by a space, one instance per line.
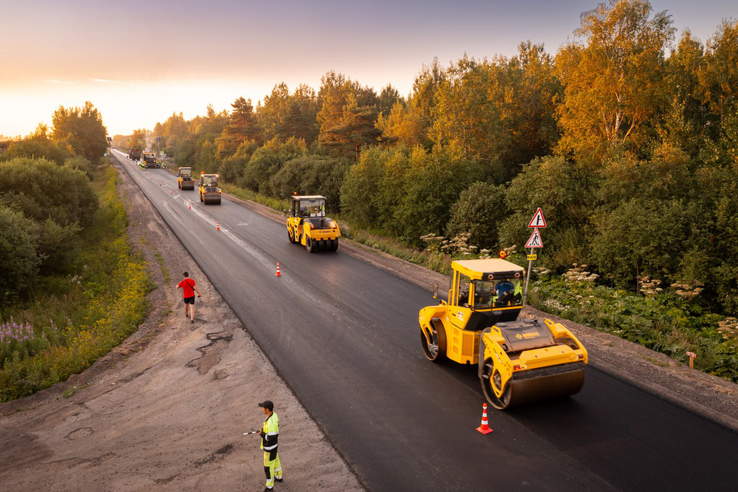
x=187 y=287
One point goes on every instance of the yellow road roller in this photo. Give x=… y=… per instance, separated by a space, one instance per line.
x=307 y=224
x=518 y=361
x=209 y=189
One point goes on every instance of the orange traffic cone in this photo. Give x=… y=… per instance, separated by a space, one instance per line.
x=484 y=428
x=217 y=225
x=278 y=274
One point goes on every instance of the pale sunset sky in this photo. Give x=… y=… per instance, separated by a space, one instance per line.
x=140 y=61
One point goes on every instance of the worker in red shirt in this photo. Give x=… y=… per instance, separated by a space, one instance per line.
x=189 y=287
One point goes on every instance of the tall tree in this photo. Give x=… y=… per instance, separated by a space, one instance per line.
x=284 y=115
x=83 y=129
x=614 y=81
x=348 y=114
x=242 y=127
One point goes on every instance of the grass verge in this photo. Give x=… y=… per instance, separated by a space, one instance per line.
x=72 y=320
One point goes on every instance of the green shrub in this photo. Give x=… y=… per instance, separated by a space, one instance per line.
x=478 y=211
x=18 y=242
x=41 y=190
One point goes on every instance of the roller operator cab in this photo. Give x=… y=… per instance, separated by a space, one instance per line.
x=307 y=224
x=518 y=361
x=185 y=181
x=209 y=190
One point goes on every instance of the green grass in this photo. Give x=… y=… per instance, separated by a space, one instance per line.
x=163 y=267
x=77 y=318
x=277 y=205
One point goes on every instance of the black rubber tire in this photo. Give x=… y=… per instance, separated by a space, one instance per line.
x=432 y=352
x=488 y=376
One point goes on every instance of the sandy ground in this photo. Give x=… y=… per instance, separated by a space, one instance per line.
x=166 y=409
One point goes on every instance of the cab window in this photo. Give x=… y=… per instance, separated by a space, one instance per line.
x=464 y=283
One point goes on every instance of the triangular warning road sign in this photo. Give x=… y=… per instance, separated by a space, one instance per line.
x=534 y=241
x=538 y=220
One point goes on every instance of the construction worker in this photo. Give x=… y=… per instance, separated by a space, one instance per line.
x=189 y=288
x=269 y=442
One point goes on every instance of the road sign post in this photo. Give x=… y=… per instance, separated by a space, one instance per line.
x=537 y=223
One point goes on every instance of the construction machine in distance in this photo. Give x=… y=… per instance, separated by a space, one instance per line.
x=185 y=181
x=209 y=190
x=518 y=361
x=307 y=224
x=149 y=160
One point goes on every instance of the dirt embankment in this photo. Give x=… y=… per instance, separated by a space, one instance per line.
x=167 y=408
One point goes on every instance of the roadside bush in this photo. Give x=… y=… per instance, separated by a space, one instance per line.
x=58 y=247
x=79 y=163
x=311 y=175
x=639 y=237
x=37 y=148
x=18 y=241
x=267 y=160
x=433 y=184
x=479 y=211
x=44 y=190
x=662 y=321
x=373 y=187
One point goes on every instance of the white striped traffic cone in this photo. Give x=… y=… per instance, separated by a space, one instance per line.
x=484 y=428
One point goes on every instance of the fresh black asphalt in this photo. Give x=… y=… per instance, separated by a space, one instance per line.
x=345 y=337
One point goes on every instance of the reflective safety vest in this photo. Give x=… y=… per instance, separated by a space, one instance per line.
x=518 y=287
x=270 y=433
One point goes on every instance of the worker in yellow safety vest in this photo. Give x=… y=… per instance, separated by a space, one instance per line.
x=269 y=442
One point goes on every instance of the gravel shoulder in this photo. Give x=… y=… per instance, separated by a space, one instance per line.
x=710 y=396
x=166 y=409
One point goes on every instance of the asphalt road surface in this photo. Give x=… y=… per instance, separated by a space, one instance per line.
x=345 y=337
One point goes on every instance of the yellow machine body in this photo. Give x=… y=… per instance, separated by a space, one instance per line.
x=518 y=361
x=185 y=181
x=307 y=224
x=209 y=190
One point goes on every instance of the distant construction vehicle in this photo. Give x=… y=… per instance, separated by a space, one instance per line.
x=518 y=361
x=209 y=190
x=149 y=160
x=307 y=224
x=185 y=181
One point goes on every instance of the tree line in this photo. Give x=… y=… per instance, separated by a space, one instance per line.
x=47 y=198
x=627 y=137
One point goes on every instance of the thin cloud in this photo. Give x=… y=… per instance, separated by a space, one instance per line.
x=54 y=81
x=106 y=81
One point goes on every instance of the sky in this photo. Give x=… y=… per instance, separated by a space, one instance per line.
x=140 y=61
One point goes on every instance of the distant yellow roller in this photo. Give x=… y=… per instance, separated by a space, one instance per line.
x=518 y=361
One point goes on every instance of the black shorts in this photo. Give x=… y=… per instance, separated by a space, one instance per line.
x=189 y=300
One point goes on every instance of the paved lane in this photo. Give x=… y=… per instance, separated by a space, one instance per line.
x=345 y=337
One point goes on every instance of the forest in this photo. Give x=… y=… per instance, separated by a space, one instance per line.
x=626 y=137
